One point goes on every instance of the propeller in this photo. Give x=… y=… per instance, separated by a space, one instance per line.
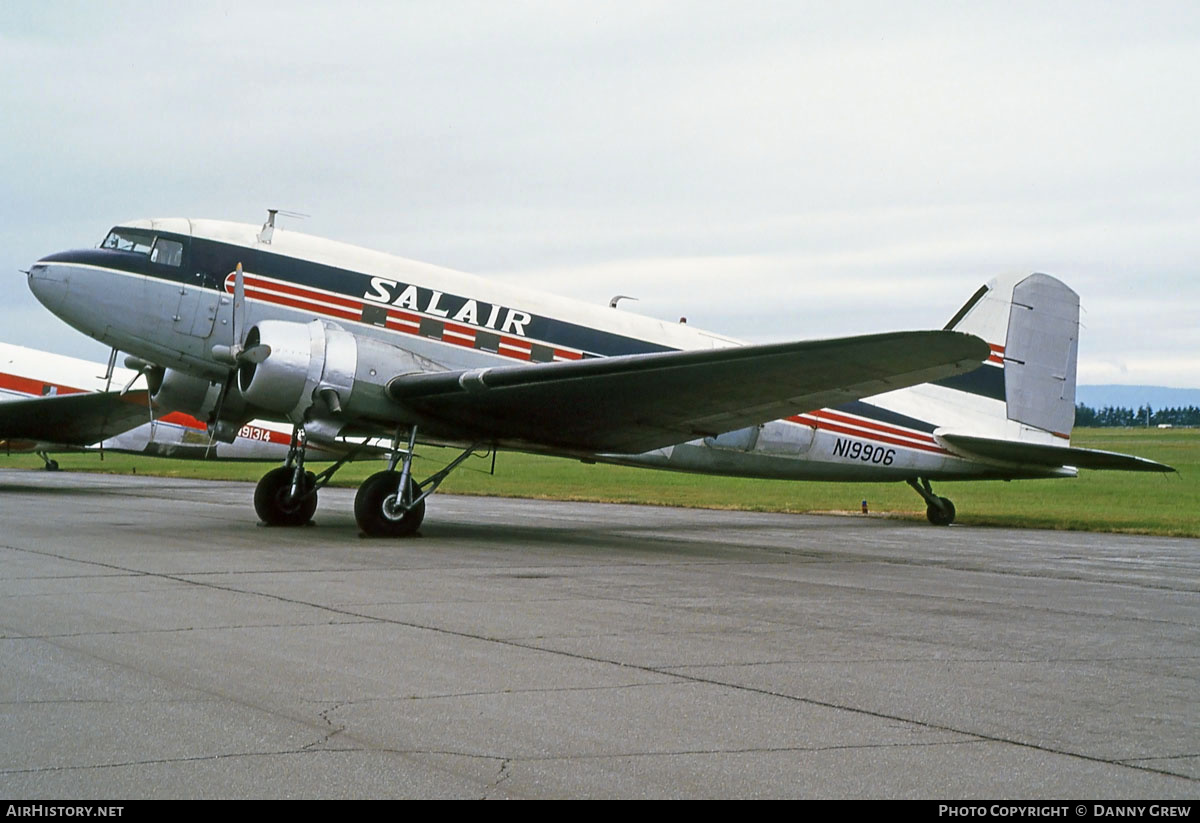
x=154 y=377
x=236 y=355
x=237 y=352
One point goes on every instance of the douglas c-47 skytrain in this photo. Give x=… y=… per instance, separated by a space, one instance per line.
x=231 y=322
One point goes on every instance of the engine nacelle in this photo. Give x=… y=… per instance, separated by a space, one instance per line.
x=314 y=368
x=178 y=391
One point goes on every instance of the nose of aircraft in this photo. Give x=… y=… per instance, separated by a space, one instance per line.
x=64 y=290
x=49 y=284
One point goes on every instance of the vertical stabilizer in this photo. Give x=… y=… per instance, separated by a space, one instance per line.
x=1031 y=323
x=1040 y=354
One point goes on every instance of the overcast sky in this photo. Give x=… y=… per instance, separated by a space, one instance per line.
x=772 y=171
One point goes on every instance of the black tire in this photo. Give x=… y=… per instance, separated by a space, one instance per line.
x=273 y=502
x=51 y=466
x=373 y=502
x=940 y=516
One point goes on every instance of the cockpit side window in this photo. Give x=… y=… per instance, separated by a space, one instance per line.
x=166 y=252
x=138 y=242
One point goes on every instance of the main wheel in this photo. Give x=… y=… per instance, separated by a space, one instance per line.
x=940 y=516
x=273 y=498
x=376 y=511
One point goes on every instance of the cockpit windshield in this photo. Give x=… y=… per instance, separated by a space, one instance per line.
x=166 y=252
x=159 y=249
x=132 y=240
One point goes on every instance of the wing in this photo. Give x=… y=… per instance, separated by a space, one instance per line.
x=73 y=419
x=1040 y=454
x=635 y=403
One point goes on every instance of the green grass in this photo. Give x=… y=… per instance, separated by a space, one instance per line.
x=1136 y=503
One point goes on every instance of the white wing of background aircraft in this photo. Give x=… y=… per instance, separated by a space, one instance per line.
x=50 y=403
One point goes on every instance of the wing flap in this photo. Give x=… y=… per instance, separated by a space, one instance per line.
x=1041 y=454
x=634 y=403
x=73 y=419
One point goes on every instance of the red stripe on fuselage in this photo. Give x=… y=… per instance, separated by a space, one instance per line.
x=824 y=425
x=34 y=388
x=875 y=432
x=458 y=335
x=307 y=304
x=264 y=284
x=867 y=423
x=324 y=303
x=188 y=422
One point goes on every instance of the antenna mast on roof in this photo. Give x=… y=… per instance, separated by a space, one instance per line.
x=268 y=229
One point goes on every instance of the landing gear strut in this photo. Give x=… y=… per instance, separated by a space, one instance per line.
x=51 y=464
x=279 y=500
x=287 y=496
x=940 y=510
x=391 y=503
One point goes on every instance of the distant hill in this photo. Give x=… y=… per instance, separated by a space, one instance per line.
x=1135 y=397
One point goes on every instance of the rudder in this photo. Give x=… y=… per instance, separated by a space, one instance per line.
x=1032 y=324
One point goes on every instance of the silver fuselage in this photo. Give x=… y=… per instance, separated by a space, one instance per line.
x=173 y=310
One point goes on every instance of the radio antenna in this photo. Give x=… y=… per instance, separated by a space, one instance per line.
x=268 y=229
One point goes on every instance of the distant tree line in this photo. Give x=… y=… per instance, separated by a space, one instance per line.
x=1116 y=416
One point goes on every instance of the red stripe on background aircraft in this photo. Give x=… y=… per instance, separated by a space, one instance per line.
x=231 y=322
x=50 y=404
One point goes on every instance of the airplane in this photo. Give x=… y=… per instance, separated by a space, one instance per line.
x=50 y=403
x=232 y=322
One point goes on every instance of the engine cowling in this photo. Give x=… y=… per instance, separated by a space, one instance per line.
x=173 y=390
x=313 y=370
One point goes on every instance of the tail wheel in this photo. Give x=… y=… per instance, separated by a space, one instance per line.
x=378 y=512
x=942 y=515
x=273 y=501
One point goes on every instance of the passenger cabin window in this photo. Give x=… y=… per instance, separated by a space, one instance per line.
x=166 y=252
x=138 y=242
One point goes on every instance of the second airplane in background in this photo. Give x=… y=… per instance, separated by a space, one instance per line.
x=50 y=404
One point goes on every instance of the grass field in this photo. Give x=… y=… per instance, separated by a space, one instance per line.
x=1135 y=503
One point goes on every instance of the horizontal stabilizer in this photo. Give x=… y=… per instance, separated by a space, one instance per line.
x=1043 y=454
x=73 y=419
x=635 y=403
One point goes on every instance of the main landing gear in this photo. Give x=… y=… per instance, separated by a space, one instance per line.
x=287 y=496
x=940 y=510
x=389 y=503
x=51 y=465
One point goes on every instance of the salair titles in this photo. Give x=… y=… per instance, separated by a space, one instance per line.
x=451 y=307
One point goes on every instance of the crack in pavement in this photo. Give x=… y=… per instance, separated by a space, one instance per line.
x=858 y=710
x=502 y=775
x=333 y=730
x=234 y=627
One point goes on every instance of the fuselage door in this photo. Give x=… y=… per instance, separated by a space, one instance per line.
x=205 y=302
x=196 y=309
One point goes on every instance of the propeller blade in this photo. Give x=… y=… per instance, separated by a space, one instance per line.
x=239 y=307
x=237 y=356
x=255 y=354
x=129 y=385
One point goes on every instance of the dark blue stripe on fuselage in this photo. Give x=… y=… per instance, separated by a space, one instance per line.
x=207 y=262
x=986 y=381
x=861 y=409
